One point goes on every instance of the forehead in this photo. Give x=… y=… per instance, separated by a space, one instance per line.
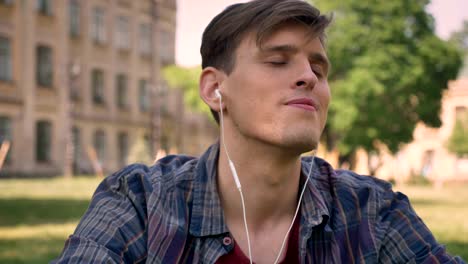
x=291 y=34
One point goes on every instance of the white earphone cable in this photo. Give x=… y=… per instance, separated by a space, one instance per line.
x=236 y=178
x=297 y=210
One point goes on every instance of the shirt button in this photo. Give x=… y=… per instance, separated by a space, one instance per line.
x=227 y=241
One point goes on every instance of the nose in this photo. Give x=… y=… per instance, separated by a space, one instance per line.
x=306 y=78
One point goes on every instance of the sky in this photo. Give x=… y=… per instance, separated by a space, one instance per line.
x=194 y=15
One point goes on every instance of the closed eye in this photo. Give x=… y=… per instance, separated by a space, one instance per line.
x=277 y=63
x=317 y=70
x=318 y=73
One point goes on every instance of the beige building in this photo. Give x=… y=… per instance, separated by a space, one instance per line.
x=91 y=67
x=427 y=154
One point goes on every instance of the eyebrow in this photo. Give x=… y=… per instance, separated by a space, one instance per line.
x=316 y=56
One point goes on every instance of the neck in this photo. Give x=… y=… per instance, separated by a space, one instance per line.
x=269 y=179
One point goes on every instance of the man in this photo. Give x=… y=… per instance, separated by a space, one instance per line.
x=265 y=78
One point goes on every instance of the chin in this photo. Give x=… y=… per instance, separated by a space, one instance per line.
x=300 y=136
x=300 y=145
x=305 y=147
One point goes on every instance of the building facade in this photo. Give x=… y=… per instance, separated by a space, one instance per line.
x=80 y=81
x=427 y=155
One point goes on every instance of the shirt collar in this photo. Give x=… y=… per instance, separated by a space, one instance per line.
x=207 y=213
x=316 y=203
x=208 y=216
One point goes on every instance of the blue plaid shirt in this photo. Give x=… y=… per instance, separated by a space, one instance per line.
x=171 y=213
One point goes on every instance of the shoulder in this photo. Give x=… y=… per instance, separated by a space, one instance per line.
x=141 y=179
x=368 y=198
x=128 y=207
x=352 y=180
x=345 y=179
x=354 y=193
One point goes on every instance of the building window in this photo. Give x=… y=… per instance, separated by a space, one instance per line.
x=123 y=148
x=100 y=145
x=167 y=54
x=121 y=91
x=74 y=79
x=44 y=7
x=5 y=135
x=76 y=141
x=97 y=84
x=427 y=163
x=144 y=96
x=75 y=11
x=5 y=59
x=460 y=112
x=122 y=36
x=44 y=67
x=43 y=141
x=145 y=39
x=98 y=26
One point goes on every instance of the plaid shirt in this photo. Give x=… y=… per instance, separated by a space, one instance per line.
x=171 y=213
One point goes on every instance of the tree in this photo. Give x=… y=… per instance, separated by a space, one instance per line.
x=187 y=80
x=458 y=141
x=460 y=38
x=388 y=72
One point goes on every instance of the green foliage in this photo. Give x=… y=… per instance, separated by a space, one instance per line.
x=460 y=38
x=187 y=80
x=388 y=71
x=458 y=141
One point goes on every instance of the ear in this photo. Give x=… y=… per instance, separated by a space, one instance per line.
x=210 y=80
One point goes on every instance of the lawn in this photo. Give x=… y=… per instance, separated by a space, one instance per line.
x=36 y=216
x=445 y=212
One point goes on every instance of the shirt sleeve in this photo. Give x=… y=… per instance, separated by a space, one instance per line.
x=404 y=237
x=113 y=229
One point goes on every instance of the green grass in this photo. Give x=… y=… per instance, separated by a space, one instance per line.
x=36 y=216
x=445 y=212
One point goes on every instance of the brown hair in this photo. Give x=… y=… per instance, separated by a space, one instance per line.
x=224 y=33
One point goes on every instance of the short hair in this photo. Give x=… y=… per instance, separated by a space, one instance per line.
x=224 y=33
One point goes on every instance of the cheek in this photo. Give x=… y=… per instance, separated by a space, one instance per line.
x=254 y=114
x=325 y=96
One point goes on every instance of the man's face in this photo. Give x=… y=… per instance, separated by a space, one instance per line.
x=278 y=93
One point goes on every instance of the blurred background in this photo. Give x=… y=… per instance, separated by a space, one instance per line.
x=88 y=86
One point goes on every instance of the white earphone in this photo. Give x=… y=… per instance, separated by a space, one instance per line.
x=218 y=94
x=238 y=184
x=231 y=164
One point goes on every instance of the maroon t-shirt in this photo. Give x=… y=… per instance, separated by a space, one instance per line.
x=236 y=256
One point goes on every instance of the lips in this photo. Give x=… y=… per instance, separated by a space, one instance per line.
x=303 y=103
